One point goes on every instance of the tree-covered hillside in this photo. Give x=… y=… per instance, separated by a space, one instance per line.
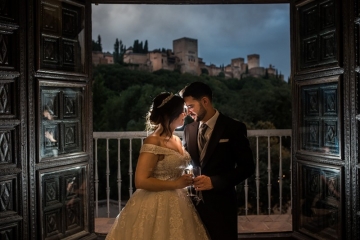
x=122 y=97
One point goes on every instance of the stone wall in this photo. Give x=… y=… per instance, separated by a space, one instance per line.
x=257 y=71
x=135 y=58
x=156 y=60
x=101 y=58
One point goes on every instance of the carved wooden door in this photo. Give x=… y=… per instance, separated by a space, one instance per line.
x=60 y=119
x=324 y=102
x=13 y=122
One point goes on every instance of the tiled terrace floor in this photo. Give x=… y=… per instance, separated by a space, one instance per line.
x=264 y=223
x=246 y=224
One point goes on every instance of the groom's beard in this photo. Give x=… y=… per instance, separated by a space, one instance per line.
x=202 y=113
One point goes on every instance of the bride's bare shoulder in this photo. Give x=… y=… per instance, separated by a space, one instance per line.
x=177 y=138
x=152 y=139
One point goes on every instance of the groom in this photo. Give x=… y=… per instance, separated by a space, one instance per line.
x=220 y=146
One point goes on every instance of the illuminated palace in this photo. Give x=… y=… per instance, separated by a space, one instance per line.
x=184 y=57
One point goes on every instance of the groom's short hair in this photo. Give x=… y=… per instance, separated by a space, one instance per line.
x=196 y=90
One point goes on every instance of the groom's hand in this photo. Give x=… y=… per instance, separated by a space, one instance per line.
x=202 y=183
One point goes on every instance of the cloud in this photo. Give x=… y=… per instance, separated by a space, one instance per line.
x=223 y=31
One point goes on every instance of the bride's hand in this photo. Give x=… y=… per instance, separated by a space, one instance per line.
x=184 y=181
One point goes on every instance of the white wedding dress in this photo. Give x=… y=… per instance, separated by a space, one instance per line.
x=164 y=215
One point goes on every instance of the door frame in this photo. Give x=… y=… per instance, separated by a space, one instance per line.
x=349 y=72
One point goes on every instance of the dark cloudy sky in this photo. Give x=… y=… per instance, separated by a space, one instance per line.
x=223 y=32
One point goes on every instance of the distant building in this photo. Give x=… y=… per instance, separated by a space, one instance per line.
x=186 y=50
x=109 y=57
x=184 y=57
x=102 y=58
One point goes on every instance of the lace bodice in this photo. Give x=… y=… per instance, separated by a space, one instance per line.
x=171 y=166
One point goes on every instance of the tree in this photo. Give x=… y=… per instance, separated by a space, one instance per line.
x=122 y=51
x=116 y=50
x=204 y=71
x=221 y=74
x=99 y=43
x=136 y=46
x=119 y=51
x=266 y=74
x=146 y=50
x=101 y=93
x=141 y=48
x=96 y=46
x=247 y=69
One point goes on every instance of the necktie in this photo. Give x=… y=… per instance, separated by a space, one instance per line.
x=201 y=137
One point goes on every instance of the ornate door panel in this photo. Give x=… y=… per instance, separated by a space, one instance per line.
x=322 y=91
x=13 y=131
x=354 y=59
x=59 y=86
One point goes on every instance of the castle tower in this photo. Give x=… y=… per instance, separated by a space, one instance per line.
x=253 y=61
x=186 y=49
x=238 y=67
x=237 y=62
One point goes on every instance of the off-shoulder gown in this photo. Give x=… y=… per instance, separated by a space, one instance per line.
x=163 y=215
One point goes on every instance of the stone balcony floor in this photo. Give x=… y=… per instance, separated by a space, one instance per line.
x=246 y=224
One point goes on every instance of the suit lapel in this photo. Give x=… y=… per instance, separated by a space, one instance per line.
x=214 y=139
x=192 y=144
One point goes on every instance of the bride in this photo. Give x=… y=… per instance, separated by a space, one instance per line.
x=160 y=209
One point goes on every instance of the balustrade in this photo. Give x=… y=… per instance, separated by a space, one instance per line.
x=256 y=137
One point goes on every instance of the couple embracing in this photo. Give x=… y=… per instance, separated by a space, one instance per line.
x=160 y=209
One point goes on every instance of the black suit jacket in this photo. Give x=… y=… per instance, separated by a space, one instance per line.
x=228 y=161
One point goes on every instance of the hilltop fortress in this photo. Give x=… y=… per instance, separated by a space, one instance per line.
x=184 y=57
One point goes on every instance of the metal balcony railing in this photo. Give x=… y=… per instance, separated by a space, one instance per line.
x=268 y=136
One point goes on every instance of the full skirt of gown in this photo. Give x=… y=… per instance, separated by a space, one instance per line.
x=162 y=215
x=165 y=215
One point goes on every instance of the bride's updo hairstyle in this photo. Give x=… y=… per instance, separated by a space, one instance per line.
x=165 y=108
